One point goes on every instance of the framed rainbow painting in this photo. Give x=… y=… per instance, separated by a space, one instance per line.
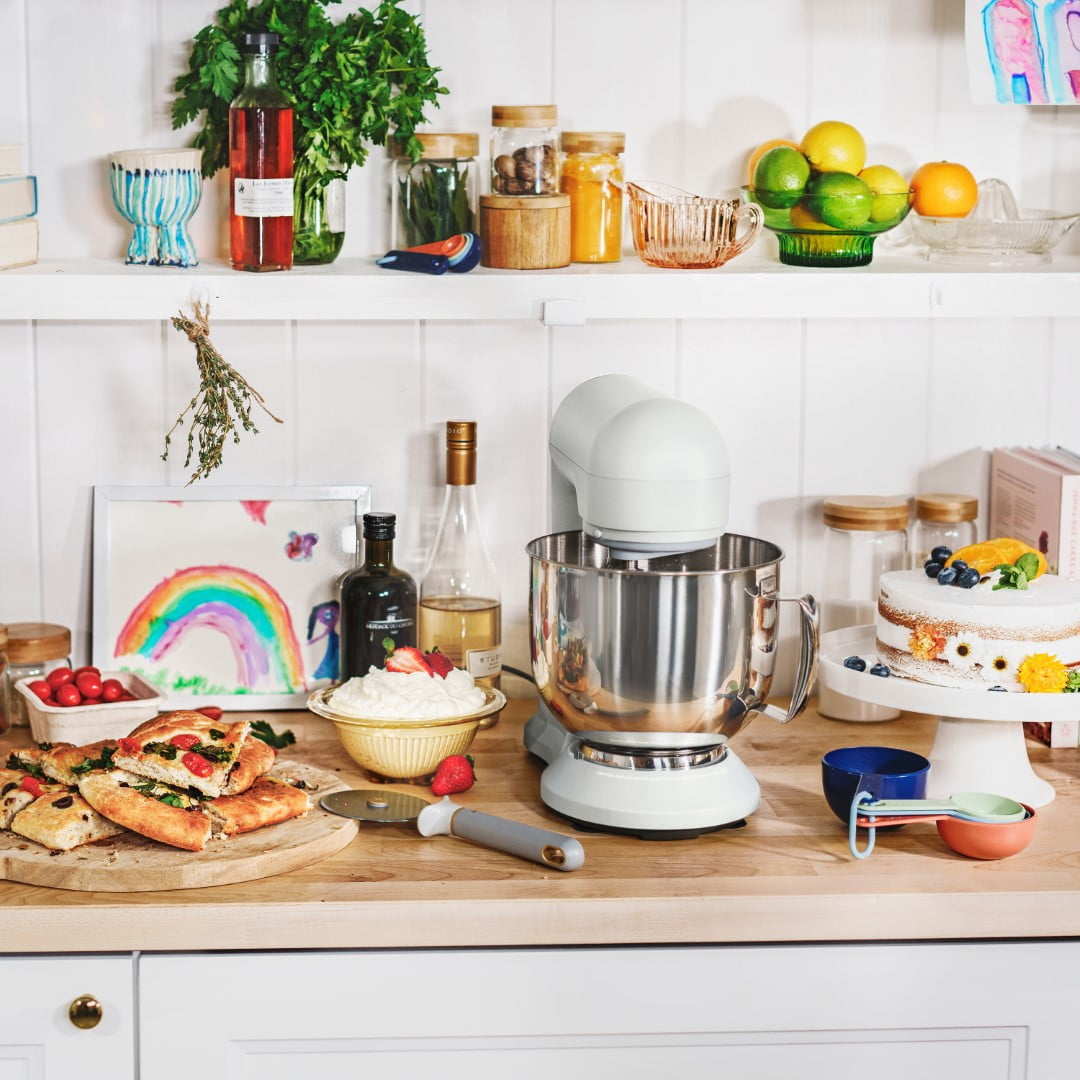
x=226 y=596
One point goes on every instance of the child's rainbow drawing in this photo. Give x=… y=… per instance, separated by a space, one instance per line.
x=232 y=601
x=1024 y=52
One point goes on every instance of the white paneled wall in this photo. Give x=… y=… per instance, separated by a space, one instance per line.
x=810 y=408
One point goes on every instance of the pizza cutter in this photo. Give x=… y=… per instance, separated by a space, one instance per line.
x=448 y=818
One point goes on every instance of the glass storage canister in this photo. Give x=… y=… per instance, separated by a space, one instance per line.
x=435 y=198
x=524 y=149
x=942 y=519
x=33 y=650
x=5 y=693
x=592 y=175
x=865 y=535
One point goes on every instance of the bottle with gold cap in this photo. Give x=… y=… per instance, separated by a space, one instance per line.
x=460 y=609
x=865 y=535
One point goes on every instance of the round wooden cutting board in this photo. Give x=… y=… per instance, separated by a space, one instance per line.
x=131 y=863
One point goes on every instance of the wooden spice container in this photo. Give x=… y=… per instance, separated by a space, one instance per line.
x=525 y=232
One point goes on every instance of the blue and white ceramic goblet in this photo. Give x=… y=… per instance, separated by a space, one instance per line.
x=157 y=191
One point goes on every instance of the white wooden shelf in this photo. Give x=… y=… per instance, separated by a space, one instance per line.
x=753 y=287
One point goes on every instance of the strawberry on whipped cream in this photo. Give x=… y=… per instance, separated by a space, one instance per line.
x=397 y=695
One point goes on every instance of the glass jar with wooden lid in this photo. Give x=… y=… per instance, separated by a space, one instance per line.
x=5 y=693
x=592 y=175
x=942 y=519
x=524 y=150
x=435 y=197
x=865 y=535
x=33 y=649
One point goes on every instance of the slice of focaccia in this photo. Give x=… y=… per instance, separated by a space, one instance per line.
x=66 y=763
x=184 y=749
x=62 y=820
x=27 y=758
x=158 y=811
x=269 y=801
x=15 y=794
x=255 y=759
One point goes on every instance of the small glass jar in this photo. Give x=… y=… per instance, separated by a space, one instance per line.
x=865 y=536
x=435 y=198
x=33 y=649
x=592 y=175
x=524 y=149
x=5 y=693
x=942 y=519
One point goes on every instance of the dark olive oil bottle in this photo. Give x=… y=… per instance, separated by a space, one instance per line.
x=378 y=601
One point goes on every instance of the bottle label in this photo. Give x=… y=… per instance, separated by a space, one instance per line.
x=389 y=624
x=263 y=198
x=484 y=663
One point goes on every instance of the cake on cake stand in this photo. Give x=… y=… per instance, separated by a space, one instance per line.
x=979 y=743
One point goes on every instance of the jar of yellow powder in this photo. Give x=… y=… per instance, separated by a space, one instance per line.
x=592 y=175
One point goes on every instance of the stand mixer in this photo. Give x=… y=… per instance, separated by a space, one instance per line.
x=653 y=633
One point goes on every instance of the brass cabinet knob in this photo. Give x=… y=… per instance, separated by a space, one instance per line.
x=85 y=1011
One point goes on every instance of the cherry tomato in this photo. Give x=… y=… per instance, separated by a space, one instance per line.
x=89 y=684
x=127 y=695
x=211 y=712
x=111 y=689
x=31 y=784
x=128 y=746
x=185 y=741
x=59 y=676
x=86 y=668
x=41 y=688
x=197 y=764
x=68 y=695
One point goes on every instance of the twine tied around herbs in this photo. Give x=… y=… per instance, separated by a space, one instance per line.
x=223 y=401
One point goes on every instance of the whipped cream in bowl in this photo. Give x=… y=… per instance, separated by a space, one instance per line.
x=414 y=695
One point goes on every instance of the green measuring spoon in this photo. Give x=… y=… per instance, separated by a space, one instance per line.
x=968 y=805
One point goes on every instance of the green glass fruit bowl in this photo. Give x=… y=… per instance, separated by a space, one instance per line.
x=829 y=230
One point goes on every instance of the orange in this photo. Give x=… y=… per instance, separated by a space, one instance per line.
x=1014 y=548
x=982 y=557
x=755 y=157
x=943 y=189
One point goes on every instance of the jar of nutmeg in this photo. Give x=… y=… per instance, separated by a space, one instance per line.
x=524 y=149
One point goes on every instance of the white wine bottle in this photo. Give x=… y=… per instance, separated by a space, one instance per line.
x=460 y=610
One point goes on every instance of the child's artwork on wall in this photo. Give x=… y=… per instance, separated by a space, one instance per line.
x=226 y=597
x=1024 y=52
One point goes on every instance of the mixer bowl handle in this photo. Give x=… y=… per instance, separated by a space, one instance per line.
x=808 y=659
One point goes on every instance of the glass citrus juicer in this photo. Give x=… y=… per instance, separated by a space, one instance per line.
x=653 y=633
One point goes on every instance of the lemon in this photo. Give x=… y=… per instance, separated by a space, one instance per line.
x=780 y=177
x=890 y=191
x=840 y=200
x=833 y=146
x=802 y=217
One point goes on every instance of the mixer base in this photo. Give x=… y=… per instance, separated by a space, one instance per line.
x=653 y=834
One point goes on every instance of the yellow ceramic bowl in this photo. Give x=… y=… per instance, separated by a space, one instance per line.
x=404 y=750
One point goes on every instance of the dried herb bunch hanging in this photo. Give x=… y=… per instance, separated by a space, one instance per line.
x=223 y=403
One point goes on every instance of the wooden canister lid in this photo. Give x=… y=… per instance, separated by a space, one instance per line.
x=946 y=508
x=525 y=202
x=33 y=641
x=524 y=116
x=441 y=144
x=3 y=635
x=593 y=142
x=865 y=513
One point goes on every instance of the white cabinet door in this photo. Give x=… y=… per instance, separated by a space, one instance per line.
x=39 y=1041
x=995 y=1011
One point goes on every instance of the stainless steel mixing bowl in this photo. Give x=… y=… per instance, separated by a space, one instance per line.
x=668 y=652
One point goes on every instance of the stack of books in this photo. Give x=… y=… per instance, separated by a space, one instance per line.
x=1035 y=496
x=18 y=210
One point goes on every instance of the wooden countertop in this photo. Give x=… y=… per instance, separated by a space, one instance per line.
x=786 y=877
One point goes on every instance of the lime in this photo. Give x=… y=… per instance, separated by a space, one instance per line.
x=780 y=177
x=890 y=192
x=840 y=200
x=833 y=146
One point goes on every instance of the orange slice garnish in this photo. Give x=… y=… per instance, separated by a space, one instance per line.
x=982 y=557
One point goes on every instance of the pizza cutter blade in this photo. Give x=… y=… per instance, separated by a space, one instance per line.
x=447 y=818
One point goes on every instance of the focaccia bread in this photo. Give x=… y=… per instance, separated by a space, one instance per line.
x=62 y=820
x=255 y=759
x=269 y=801
x=13 y=795
x=66 y=763
x=184 y=749
x=148 y=807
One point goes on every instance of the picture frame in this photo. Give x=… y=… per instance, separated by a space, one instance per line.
x=223 y=596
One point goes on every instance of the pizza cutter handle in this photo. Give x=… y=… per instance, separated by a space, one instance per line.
x=447 y=818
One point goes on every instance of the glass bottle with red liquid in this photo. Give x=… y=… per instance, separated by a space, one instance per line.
x=261 y=164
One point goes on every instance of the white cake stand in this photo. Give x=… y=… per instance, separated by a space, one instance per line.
x=979 y=744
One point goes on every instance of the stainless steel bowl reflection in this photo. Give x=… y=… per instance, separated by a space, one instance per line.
x=666 y=652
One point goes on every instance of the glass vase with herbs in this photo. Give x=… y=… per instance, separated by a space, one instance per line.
x=347 y=97
x=434 y=196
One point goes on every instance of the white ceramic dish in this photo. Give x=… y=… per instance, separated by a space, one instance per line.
x=88 y=723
